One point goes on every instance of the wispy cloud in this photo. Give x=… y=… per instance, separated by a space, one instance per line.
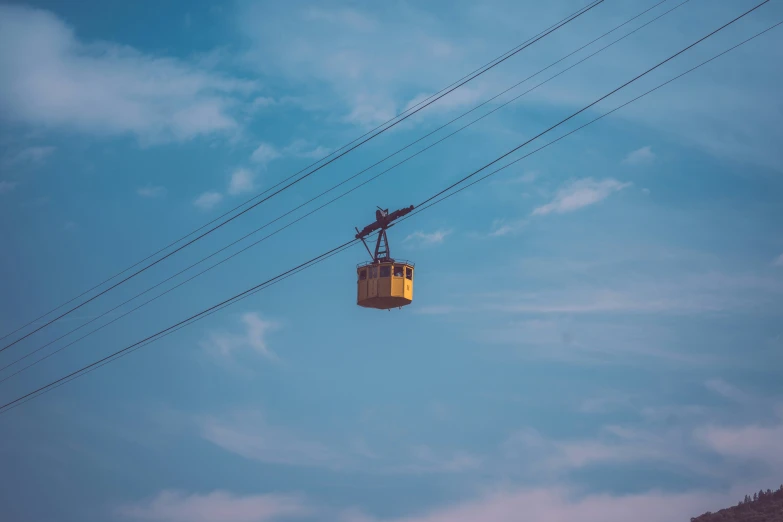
x=7 y=186
x=342 y=16
x=495 y=504
x=756 y=444
x=242 y=180
x=425 y=460
x=642 y=156
x=151 y=191
x=605 y=404
x=30 y=155
x=208 y=200
x=248 y=434
x=558 y=504
x=666 y=282
x=265 y=153
x=778 y=261
x=428 y=238
x=528 y=177
x=678 y=437
x=305 y=149
x=106 y=89
x=749 y=442
x=327 y=47
x=325 y=52
x=464 y=96
x=262 y=101
x=729 y=391
x=254 y=337
x=606 y=300
x=579 y=194
x=502 y=227
x=614 y=445
x=176 y=506
x=579 y=342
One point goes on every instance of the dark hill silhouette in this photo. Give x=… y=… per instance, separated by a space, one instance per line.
x=764 y=506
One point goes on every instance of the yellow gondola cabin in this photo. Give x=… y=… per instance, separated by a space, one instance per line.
x=383 y=283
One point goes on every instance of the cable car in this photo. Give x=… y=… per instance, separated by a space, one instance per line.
x=383 y=283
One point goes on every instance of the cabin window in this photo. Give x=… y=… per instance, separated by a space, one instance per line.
x=362 y=275
x=398 y=270
x=409 y=273
x=373 y=272
x=385 y=271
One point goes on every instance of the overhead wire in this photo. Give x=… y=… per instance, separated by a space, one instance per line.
x=412 y=107
x=600 y=117
x=428 y=204
x=191 y=318
x=336 y=186
x=305 y=176
x=583 y=109
x=142 y=345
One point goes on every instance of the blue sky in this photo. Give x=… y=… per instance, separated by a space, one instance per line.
x=596 y=331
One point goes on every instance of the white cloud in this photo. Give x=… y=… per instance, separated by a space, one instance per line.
x=328 y=49
x=53 y=80
x=466 y=95
x=151 y=191
x=263 y=101
x=778 y=261
x=579 y=194
x=527 y=177
x=599 y=405
x=428 y=238
x=372 y=80
x=31 y=155
x=249 y=435
x=254 y=337
x=641 y=156
x=497 y=504
x=265 y=153
x=304 y=149
x=242 y=180
x=691 y=292
x=743 y=129
x=425 y=461
x=174 y=506
x=759 y=444
x=7 y=186
x=729 y=391
x=560 y=504
x=501 y=227
x=573 y=341
x=370 y=110
x=208 y=200
x=344 y=17
x=316 y=153
x=615 y=445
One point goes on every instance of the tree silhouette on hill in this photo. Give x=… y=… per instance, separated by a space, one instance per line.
x=764 y=506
